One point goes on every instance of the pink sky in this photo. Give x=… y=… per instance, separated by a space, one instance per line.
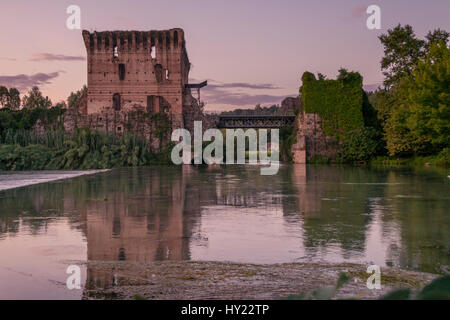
x=250 y=51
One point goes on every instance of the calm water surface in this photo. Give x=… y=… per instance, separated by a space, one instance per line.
x=305 y=213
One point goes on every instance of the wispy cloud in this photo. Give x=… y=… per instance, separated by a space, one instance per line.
x=241 y=99
x=55 y=57
x=7 y=59
x=243 y=85
x=240 y=94
x=23 y=82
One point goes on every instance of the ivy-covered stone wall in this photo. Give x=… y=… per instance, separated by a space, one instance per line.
x=331 y=110
x=337 y=102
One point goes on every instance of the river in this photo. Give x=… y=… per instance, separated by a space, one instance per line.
x=335 y=214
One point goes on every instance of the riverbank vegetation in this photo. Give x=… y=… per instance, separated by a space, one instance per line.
x=34 y=138
x=407 y=121
x=82 y=150
x=414 y=106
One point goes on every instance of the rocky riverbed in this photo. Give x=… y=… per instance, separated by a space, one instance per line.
x=188 y=280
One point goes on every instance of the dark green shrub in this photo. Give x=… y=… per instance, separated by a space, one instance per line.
x=361 y=145
x=32 y=157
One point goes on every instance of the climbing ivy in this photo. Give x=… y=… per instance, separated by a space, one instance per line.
x=338 y=102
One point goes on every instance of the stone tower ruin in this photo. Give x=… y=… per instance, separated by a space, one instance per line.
x=134 y=69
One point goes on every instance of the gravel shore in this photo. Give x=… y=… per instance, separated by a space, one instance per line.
x=192 y=280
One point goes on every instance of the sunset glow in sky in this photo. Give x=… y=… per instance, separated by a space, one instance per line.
x=250 y=51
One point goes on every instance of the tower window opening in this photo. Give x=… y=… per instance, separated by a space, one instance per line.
x=116 y=102
x=122 y=71
x=153 y=52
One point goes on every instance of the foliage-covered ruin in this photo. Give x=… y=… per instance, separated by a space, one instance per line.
x=337 y=102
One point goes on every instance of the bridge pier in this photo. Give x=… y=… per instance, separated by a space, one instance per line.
x=299 y=151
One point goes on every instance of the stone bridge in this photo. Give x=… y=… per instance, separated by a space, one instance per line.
x=256 y=122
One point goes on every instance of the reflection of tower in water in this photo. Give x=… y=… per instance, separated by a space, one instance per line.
x=142 y=224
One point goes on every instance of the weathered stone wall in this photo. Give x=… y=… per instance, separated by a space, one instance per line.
x=299 y=150
x=192 y=112
x=311 y=140
x=138 y=121
x=134 y=120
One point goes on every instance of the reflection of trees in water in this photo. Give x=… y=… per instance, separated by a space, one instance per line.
x=340 y=205
x=420 y=212
x=35 y=207
x=335 y=212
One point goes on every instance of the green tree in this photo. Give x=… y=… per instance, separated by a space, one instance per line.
x=321 y=76
x=436 y=36
x=3 y=95
x=34 y=99
x=75 y=99
x=420 y=123
x=13 y=100
x=384 y=102
x=345 y=75
x=402 y=51
x=361 y=145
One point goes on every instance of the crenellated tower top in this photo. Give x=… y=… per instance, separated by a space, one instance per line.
x=134 y=41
